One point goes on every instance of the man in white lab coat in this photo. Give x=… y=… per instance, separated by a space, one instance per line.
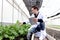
x=39 y=27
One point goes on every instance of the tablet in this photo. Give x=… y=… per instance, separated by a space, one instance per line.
x=31 y=21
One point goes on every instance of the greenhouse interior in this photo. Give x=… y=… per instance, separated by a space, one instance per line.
x=14 y=12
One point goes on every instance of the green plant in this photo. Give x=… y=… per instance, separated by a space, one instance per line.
x=1 y=32
x=24 y=29
x=14 y=30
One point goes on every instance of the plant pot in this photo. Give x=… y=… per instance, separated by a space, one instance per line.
x=5 y=39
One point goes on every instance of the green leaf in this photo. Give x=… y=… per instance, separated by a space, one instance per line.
x=1 y=37
x=11 y=37
x=6 y=36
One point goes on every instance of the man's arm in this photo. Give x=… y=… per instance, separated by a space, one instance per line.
x=40 y=20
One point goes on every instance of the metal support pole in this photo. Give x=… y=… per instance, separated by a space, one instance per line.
x=18 y=12
x=2 y=13
x=13 y=12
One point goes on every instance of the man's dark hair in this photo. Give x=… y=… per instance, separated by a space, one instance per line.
x=35 y=7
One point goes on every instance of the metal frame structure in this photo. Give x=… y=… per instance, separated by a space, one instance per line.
x=13 y=6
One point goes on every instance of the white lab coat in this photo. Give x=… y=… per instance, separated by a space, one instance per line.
x=40 y=16
x=42 y=33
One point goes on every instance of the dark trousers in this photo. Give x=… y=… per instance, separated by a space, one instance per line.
x=41 y=26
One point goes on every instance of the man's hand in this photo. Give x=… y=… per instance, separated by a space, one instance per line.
x=35 y=19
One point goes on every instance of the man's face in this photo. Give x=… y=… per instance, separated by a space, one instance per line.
x=33 y=10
